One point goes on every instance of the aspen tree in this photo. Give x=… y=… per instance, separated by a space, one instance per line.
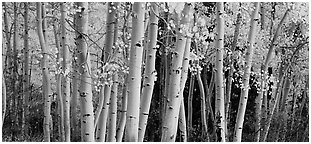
x=202 y=93
x=113 y=109
x=190 y=105
x=115 y=79
x=65 y=72
x=220 y=104
x=105 y=94
x=230 y=77
x=7 y=34
x=75 y=85
x=182 y=122
x=182 y=116
x=109 y=31
x=15 y=65
x=203 y=104
x=283 y=110
x=103 y=115
x=245 y=79
x=26 y=77
x=262 y=17
x=169 y=128
x=3 y=100
x=59 y=85
x=45 y=74
x=112 y=132
x=85 y=92
x=263 y=79
x=134 y=83
x=150 y=71
x=122 y=122
x=277 y=94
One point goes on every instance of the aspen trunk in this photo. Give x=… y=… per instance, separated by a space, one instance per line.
x=263 y=80
x=182 y=116
x=220 y=105
x=85 y=92
x=65 y=72
x=107 y=52
x=182 y=121
x=150 y=72
x=103 y=116
x=113 y=110
x=230 y=77
x=203 y=104
x=46 y=79
x=247 y=70
x=58 y=79
x=3 y=100
x=122 y=122
x=109 y=31
x=7 y=36
x=75 y=84
x=189 y=106
x=15 y=68
x=283 y=111
x=262 y=18
x=174 y=99
x=7 y=62
x=276 y=96
x=26 y=74
x=134 y=83
x=100 y=106
x=208 y=91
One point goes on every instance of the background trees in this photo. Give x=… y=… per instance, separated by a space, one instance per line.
x=96 y=67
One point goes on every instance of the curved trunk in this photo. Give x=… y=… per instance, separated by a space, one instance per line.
x=103 y=116
x=46 y=79
x=122 y=122
x=182 y=116
x=58 y=79
x=247 y=70
x=170 y=121
x=230 y=77
x=283 y=110
x=263 y=80
x=189 y=104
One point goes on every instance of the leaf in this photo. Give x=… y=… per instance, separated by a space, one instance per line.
x=176 y=6
x=193 y=56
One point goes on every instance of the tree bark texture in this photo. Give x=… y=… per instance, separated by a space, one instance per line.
x=46 y=80
x=170 y=121
x=134 y=83
x=85 y=92
x=65 y=72
x=26 y=77
x=247 y=70
x=150 y=72
x=220 y=98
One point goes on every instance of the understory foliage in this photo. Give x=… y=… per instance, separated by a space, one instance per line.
x=116 y=50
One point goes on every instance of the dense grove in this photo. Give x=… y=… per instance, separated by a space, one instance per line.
x=155 y=71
